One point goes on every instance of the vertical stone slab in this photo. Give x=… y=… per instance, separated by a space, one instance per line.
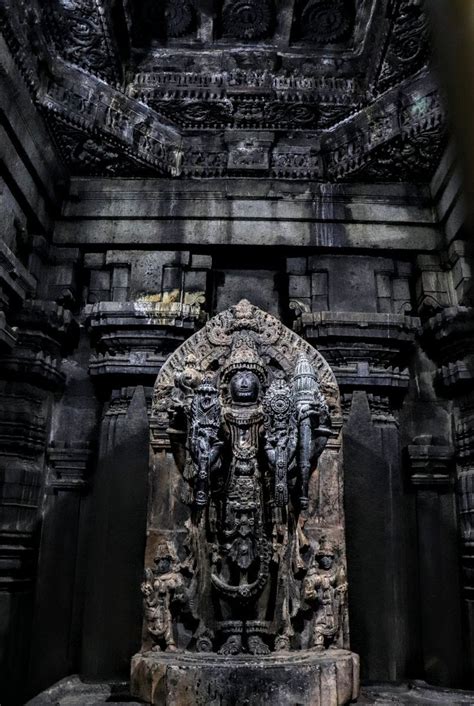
x=369 y=353
x=431 y=467
x=113 y=606
x=378 y=564
x=60 y=576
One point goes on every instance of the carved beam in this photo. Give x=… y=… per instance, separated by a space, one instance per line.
x=97 y=110
x=91 y=34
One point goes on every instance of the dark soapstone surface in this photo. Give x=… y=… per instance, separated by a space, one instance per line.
x=307 y=678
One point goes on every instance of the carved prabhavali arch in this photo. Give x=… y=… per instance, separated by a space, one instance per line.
x=245 y=552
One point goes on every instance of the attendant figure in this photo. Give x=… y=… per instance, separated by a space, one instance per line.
x=162 y=586
x=326 y=586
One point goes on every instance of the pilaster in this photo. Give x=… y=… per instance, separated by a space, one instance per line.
x=30 y=376
x=130 y=340
x=431 y=476
x=448 y=337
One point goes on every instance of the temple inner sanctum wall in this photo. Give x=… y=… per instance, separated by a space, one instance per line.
x=151 y=183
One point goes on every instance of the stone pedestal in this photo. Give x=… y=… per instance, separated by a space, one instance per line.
x=306 y=678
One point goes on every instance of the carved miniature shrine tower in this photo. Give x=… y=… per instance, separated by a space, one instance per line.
x=245 y=593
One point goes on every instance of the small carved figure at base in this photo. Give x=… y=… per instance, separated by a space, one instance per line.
x=162 y=586
x=325 y=584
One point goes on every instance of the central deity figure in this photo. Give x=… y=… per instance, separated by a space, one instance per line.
x=245 y=582
x=251 y=445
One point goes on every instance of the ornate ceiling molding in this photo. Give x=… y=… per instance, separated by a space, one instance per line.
x=85 y=33
x=230 y=101
x=101 y=115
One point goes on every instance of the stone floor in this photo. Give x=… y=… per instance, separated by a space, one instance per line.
x=416 y=692
x=74 y=692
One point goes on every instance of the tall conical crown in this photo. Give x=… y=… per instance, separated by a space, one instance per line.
x=244 y=356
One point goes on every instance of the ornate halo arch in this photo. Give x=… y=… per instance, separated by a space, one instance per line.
x=205 y=352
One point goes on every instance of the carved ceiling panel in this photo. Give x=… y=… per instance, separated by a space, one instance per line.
x=305 y=89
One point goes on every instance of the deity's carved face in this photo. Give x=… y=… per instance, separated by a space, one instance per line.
x=163 y=565
x=244 y=386
x=207 y=400
x=326 y=561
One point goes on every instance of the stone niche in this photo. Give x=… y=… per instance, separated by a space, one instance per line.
x=245 y=591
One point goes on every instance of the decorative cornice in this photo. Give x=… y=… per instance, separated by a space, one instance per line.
x=366 y=350
x=43 y=330
x=135 y=338
x=16 y=283
x=167 y=114
x=390 y=327
x=448 y=338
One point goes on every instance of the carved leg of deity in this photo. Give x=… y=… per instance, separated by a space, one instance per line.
x=282 y=643
x=160 y=643
x=318 y=637
x=283 y=639
x=170 y=644
x=257 y=646
x=232 y=646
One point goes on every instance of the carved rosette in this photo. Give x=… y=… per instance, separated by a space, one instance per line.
x=325 y=21
x=247 y=19
x=179 y=17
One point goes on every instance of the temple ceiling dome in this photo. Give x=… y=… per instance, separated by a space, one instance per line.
x=327 y=90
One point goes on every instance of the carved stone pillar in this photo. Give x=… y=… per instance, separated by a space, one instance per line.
x=369 y=353
x=30 y=376
x=131 y=341
x=60 y=584
x=431 y=467
x=448 y=338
